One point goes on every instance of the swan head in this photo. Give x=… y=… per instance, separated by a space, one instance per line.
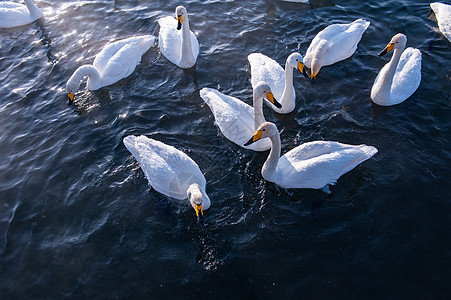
x=296 y=61
x=72 y=86
x=265 y=129
x=180 y=14
x=398 y=41
x=263 y=90
x=196 y=198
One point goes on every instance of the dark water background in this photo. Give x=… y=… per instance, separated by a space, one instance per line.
x=79 y=220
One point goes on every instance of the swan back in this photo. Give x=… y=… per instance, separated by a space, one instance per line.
x=334 y=43
x=234 y=118
x=266 y=69
x=15 y=14
x=443 y=15
x=317 y=164
x=168 y=170
x=119 y=59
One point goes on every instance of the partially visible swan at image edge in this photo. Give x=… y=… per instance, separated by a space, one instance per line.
x=236 y=119
x=443 y=15
x=310 y=165
x=170 y=171
x=268 y=70
x=176 y=41
x=400 y=77
x=334 y=43
x=116 y=61
x=14 y=14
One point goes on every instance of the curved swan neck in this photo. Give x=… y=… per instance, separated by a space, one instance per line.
x=187 y=50
x=387 y=77
x=318 y=55
x=257 y=104
x=270 y=165
x=33 y=9
x=94 y=80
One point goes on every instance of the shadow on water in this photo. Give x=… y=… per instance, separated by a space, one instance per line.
x=46 y=41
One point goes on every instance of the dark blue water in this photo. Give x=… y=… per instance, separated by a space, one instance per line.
x=79 y=220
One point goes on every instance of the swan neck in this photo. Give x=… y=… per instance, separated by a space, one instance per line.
x=270 y=166
x=187 y=50
x=258 y=110
x=33 y=9
x=317 y=56
x=94 y=80
x=386 y=80
x=288 y=90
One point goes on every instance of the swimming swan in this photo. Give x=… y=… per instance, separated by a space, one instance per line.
x=280 y=81
x=334 y=43
x=170 y=171
x=116 y=61
x=15 y=14
x=400 y=77
x=236 y=119
x=310 y=165
x=443 y=15
x=179 y=47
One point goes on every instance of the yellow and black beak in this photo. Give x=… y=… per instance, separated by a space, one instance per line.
x=179 y=22
x=199 y=213
x=71 y=96
x=257 y=136
x=387 y=49
x=301 y=68
x=270 y=97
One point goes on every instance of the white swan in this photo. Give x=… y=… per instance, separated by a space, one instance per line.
x=170 y=171
x=15 y=14
x=280 y=81
x=236 y=119
x=116 y=61
x=310 y=165
x=179 y=46
x=443 y=15
x=334 y=43
x=400 y=77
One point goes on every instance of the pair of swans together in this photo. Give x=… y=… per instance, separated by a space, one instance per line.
x=119 y=59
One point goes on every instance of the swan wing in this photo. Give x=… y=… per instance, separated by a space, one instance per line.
x=234 y=118
x=168 y=170
x=316 y=164
x=342 y=41
x=443 y=15
x=119 y=59
x=14 y=14
x=266 y=69
x=407 y=76
x=169 y=39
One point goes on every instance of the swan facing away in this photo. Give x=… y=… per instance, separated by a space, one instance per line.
x=443 y=15
x=280 y=81
x=400 y=77
x=334 y=43
x=236 y=119
x=177 y=43
x=170 y=171
x=116 y=61
x=310 y=165
x=14 y=14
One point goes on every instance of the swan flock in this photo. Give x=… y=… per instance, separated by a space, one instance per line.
x=313 y=164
